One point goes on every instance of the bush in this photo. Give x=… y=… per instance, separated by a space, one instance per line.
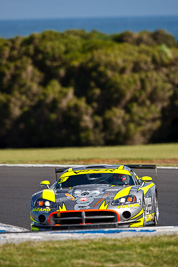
x=77 y=88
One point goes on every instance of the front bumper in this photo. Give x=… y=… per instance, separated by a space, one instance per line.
x=86 y=219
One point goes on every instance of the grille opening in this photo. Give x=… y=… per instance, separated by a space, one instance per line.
x=126 y=214
x=66 y=222
x=70 y=214
x=67 y=218
x=99 y=213
x=99 y=220
x=41 y=218
x=84 y=217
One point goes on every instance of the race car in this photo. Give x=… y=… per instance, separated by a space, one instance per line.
x=102 y=196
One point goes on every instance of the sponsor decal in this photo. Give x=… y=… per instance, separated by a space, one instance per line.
x=150 y=217
x=128 y=206
x=83 y=199
x=95 y=170
x=83 y=202
x=41 y=209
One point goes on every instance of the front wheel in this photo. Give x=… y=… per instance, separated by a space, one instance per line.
x=156 y=210
x=144 y=213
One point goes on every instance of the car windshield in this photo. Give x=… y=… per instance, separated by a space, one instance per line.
x=97 y=178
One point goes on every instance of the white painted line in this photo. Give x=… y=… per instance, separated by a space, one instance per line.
x=69 y=165
x=40 y=165
x=7 y=228
x=170 y=167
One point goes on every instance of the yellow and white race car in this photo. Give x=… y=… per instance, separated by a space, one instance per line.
x=102 y=196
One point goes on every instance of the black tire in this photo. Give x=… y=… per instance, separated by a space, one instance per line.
x=144 y=213
x=156 y=210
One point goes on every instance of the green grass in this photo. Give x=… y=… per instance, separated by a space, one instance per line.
x=141 y=251
x=78 y=154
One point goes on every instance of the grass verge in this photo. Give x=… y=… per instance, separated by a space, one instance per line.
x=158 y=153
x=139 y=251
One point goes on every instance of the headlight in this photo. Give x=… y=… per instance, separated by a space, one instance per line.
x=45 y=203
x=124 y=200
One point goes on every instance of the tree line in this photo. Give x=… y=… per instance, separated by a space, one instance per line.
x=79 y=89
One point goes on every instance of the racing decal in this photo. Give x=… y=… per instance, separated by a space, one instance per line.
x=123 y=192
x=34 y=228
x=84 y=198
x=48 y=194
x=146 y=188
x=103 y=206
x=138 y=223
x=128 y=206
x=69 y=196
x=33 y=220
x=63 y=207
x=140 y=213
x=41 y=209
x=150 y=217
x=98 y=202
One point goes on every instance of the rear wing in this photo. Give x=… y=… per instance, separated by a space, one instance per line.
x=62 y=169
x=143 y=166
x=59 y=170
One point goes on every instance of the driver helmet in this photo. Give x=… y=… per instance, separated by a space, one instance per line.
x=119 y=176
x=122 y=177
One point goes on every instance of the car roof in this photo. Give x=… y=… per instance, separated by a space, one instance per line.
x=96 y=169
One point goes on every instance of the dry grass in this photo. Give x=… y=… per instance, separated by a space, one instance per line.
x=158 y=153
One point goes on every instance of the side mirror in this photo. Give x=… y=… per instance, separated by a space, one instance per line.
x=45 y=183
x=140 y=181
x=146 y=179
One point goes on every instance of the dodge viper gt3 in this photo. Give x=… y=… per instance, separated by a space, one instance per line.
x=102 y=196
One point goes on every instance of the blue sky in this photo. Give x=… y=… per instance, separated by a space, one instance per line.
x=20 y=9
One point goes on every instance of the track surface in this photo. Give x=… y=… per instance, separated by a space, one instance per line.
x=17 y=184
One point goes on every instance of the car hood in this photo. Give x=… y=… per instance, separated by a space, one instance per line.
x=87 y=197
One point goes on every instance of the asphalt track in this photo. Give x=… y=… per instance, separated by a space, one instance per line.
x=17 y=184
